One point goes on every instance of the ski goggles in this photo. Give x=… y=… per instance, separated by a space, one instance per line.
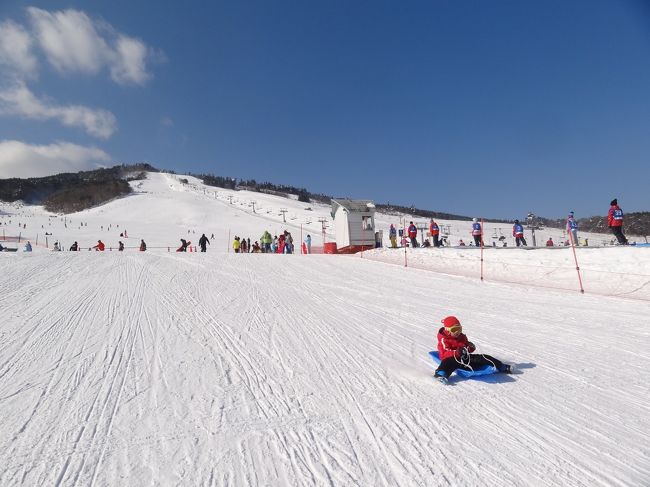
x=455 y=330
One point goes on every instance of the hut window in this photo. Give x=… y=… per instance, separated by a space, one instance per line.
x=366 y=223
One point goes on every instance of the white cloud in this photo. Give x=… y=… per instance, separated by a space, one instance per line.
x=20 y=160
x=166 y=122
x=20 y=101
x=16 y=49
x=73 y=42
x=129 y=62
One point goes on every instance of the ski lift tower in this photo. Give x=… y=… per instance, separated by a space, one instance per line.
x=284 y=212
x=422 y=227
x=323 y=222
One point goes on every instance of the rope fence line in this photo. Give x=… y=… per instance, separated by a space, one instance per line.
x=636 y=286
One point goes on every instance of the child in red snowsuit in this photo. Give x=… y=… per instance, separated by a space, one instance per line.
x=456 y=351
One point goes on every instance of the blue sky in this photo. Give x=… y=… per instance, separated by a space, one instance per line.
x=481 y=108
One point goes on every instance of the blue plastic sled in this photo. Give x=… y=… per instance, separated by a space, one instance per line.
x=488 y=369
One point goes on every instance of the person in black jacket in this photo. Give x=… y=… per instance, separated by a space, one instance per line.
x=203 y=241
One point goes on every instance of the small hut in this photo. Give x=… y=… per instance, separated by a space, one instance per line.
x=354 y=225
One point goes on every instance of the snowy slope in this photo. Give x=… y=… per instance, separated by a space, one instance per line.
x=163 y=209
x=221 y=369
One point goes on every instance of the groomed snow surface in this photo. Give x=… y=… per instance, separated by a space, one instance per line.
x=164 y=368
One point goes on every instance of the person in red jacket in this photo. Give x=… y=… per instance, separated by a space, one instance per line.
x=615 y=221
x=434 y=231
x=457 y=352
x=413 y=233
x=100 y=246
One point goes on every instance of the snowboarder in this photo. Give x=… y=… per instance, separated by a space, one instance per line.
x=572 y=228
x=236 y=245
x=518 y=233
x=57 y=247
x=615 y=221
x=457 y=352
x=120 y=246
x=477 y=232
x=183 y=247
x=28 y=247
x=549 y=242
x=203 y=241
x=100 y=246
x=143 y=246
x=308 y=242
x=74 y=247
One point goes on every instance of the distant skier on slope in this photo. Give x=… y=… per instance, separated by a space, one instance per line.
x=203 y=242
x=477 y=232
x=456 y=352
x=413 y=233
x=615 y=221
x=518 y=233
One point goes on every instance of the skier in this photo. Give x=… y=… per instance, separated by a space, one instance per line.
x=434 y=230
x=120 y=246
x=308 y=242
x=203 y=241
x=266 y=240
x=549 y=242
x=457 y=352
x=477 y=231
x=572 y=228
x=392 y=234
x=413 y=233
x=615 y=221
x=236 y=244
x=56 y=247
x=518 y=233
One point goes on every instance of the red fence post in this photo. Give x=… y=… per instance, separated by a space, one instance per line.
x=575 y=258
x=482 y=230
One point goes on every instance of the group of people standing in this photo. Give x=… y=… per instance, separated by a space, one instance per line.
x=268 y=244
x=614 y=222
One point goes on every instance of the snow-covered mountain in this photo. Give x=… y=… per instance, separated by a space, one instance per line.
x=157 y=367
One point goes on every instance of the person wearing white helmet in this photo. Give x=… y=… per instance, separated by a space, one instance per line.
x=477 y=232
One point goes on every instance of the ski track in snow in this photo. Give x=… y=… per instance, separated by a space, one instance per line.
x=279 y=370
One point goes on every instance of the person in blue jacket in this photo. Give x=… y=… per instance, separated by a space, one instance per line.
x=477 y=232
x=392 y=234
x=518 y=233
x=572 y=227
x=28 y=247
